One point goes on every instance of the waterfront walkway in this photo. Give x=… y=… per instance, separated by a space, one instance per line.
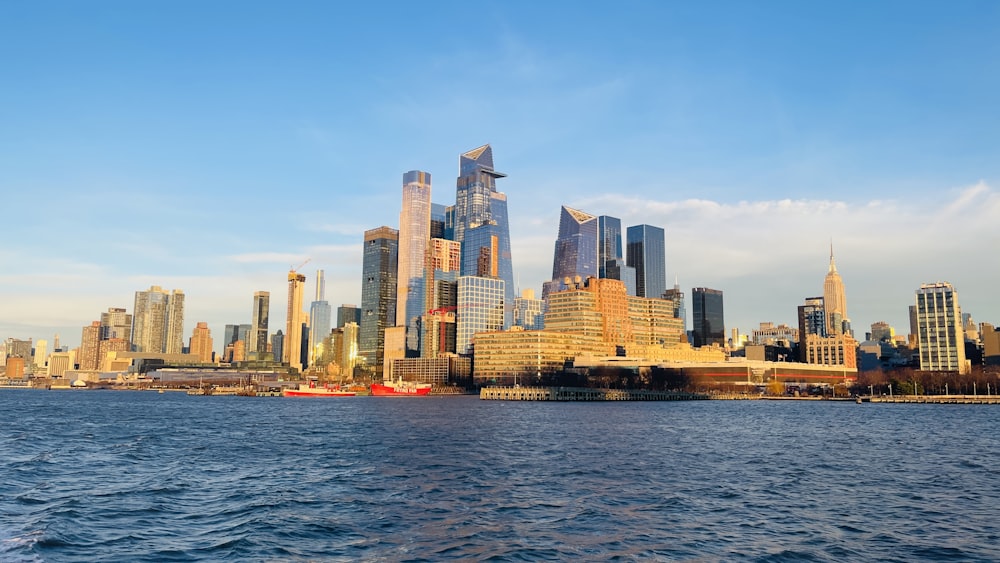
x=937 y=399
x=581 y=394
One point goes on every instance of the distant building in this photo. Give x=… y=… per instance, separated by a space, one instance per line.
x=116 y=323
x=812 y=320
x=201 y=342
x=378 y=293
x=769 y=334
x=158 y=321
x=348 y=313
x=480 y=309
x=278 y=345
x=414 y=234
x=90 y=345
x=443 y=263
x=676 y=296
x=259 y=321
x=320 y=317
x=708 y=319
x=939 y=329
x=528 y=313
x=645 y=250
x=609 y=243
x=292 y=347
x=835 y=301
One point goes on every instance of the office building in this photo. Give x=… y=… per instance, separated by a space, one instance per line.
x=812 y=320
x=292 y=347
x=645 y=251
x=528 y=311
x=676 y=297
x=320 y=318
x=940 y=338
x=480 y=222
x=116 y=323
x=278 y=345
x=378 y=293
x=201 y=342
x=441 y=298
x=609 y=243
x=835 y=300
x=575 y=252
x=90 y=345
x=414 y=234
x=616 y=269
x=348 y=313
x=708 y=326
x=480 y=309
x=258 y=321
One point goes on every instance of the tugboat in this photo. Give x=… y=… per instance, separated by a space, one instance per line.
x=400 y=388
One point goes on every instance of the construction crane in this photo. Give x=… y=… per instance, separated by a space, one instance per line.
x=296 y=268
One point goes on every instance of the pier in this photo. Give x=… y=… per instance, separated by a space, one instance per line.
x=582 y=394
x=937 y=399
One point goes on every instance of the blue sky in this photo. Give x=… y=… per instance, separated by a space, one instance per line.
x=209 y=146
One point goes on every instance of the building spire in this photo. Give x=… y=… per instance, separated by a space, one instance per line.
x=833 y=265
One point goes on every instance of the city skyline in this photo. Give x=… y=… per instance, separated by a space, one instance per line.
x=767 y=136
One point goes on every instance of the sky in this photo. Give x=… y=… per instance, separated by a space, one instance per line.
x=210 y=146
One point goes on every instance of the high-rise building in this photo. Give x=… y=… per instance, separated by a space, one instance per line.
x=676 y=296
x=378 y=293
x=576 y=248
x=812 y=320
x=609 y=243
x=616 y=269
x=258 y=323
x=480 y=222
x=348 y=313
x=645 y=251
x=41 y=354
x=439 y=221
x=320 y=316
x=116 y=323
x=414 y=234
x=201 y=342
x=835 y=300
x=940 y=338
x=528 y=311
x=158 y=321
x=480 y=309
x=90 y=345
x=292 y=348
x=708 y=326
x=440 y=300
x=278 y=345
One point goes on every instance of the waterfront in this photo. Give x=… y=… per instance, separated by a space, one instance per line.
x=133 y=476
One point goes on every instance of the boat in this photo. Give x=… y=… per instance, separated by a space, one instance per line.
x=311 y=389
x=400 y=388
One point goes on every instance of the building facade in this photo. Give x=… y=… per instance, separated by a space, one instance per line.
x=645 y=251
x=258 y=321
x=940 y=339
x=294 y=314
x=609 y=243
x=414 y=235
x=707 y=316
x=480 y=309
x=158 y=321
x=378 y=293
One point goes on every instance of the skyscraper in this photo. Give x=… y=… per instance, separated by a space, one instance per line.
x=158 y=321
x=278 y=344
x=708 y=320
x=576 y=248
x=292 y=348
x=201 y=342
x=90 y=344
x=348 y=313
x=646 y=252
x=480 y=309
x=609 y=242
x=116 y=323
x=676 y=296
x=414 y=233
x=834 y=299
x=480 y=221
x=440 y=274
x=320 y=314
x=812 y=320
x=378 y=293
x=940 y=337
x=258 y=322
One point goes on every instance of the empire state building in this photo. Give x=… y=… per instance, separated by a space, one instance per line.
x=834 y=300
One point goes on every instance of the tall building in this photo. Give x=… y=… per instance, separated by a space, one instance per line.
x=292 y=348
x=320 y=317
x=645 y=251
x=708 y=326
x=609 y=243
x=258 y=323
x=158 y=321
x=201 y=342
x=480 y=222
x=676 y=296
x=439 y=221
x=278 y=345
x=414 y=234
x=835 y=300
x=940 y=338
x=378 y=293
x=576 y=248
x=116 y=323
x=528 y=311
x=480 y=309
x=90 y=345
x=812 y=321
x=441 y=270
x=348 y=313
x=41 y=353
x=616 y=269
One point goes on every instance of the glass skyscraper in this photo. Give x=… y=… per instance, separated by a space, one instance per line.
x=646 y=252
x=479 y=222
x=576 y=248
x=609 y=242
x=378 y=293
x=480 y=309
x=709 y=327
x=414 y=232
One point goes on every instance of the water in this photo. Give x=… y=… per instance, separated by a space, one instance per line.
x=139 y=476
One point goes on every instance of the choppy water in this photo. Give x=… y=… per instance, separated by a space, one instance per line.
x=128 y=476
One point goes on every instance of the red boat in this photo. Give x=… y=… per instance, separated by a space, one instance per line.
x=400 y=388
x=312 y=390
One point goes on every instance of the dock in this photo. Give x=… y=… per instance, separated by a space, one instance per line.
x=582 y=394
x=937 y=399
